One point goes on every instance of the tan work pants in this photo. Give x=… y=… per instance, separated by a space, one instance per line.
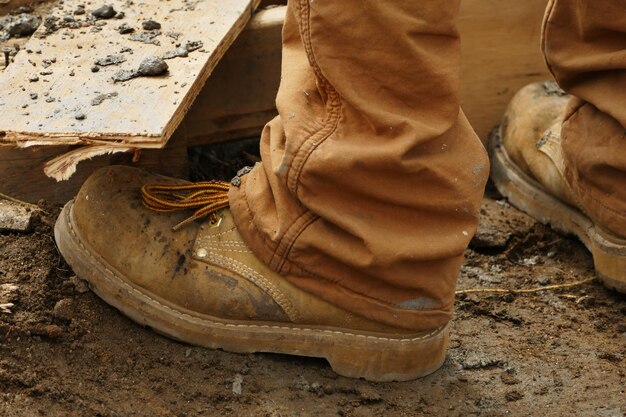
x=372 y=178
x=585 y=47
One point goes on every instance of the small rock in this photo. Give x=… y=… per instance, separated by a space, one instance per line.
x=513 y=396
x=150 y=25
x=147 y=37
x=96 y=101
x=79 y=10
x=124 y=75
x=368 y=395
x=509 y=379
x=33 y=79
x=301 y=384
x=51 y=331
x=120 y=15
x=64 y=309
x=193 y=45
x=479 y=362
x=95 y=68
x=110 y=60
x=237 y=384
x=23 y=25
x=152 y=66
x=8 y=294
x=543 y=281
x=105 y=11
x=188 y=353
x=81 y=286
x=15 y=216
x=34 y=96
x=176 y=53
x=125 y=28
x=80 y=116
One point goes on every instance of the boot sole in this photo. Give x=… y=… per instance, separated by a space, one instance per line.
x=523 y=192
x=355 y=354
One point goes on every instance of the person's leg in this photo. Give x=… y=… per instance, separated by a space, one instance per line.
x=346 y=241
x=371 y=179
x=585 y=47
x=575 y=146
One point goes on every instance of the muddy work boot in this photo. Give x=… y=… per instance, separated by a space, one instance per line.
x=529 y=169
x=202 y=285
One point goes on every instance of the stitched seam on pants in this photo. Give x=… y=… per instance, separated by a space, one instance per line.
x=257 y=231
x=333 y=105
x=313 y=218
x=333 y=112
x=286 y=241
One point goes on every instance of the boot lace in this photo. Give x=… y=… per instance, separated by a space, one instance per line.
x=206 y=197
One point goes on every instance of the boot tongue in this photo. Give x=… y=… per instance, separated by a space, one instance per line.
x=552 y=176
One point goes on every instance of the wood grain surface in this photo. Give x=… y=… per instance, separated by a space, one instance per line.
x=143 y=112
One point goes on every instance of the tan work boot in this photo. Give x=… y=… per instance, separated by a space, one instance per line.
x=202 y=285
x=528 y=169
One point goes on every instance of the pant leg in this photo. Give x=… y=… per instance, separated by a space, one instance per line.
x=372 y=178
x=584 y=42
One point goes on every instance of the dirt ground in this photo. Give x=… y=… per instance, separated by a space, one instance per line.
x=63 y=352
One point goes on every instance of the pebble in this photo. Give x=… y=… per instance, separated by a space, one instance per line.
x=110 y=60
x=23 y=25
x=152 y=66
x=81 y=286
x=95 y=68
x=124 y=29
x=150 y=25
x=513 y=396
x=105 y=11
x=80 y=116
x=64 y=309
x=176 y=53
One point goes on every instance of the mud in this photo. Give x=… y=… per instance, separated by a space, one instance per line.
x=63 y=352
x=99 y=99
x=110 y=60
x=147 y=37
x=152 y=66
x=176 y=53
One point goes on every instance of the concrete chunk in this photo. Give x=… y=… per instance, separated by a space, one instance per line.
x=15 y=217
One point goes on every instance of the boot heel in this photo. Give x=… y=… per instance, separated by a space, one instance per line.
x=609 y=258
x=390 y=360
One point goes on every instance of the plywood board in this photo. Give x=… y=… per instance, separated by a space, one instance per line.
x=58 y=108
x=500 y=48
x=500 y=44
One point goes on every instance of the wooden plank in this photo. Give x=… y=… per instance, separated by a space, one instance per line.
x=21 y=169
x=230 y=108
x=240 y=96
x=144 y=111
x=500 y=54
x=500 y=44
